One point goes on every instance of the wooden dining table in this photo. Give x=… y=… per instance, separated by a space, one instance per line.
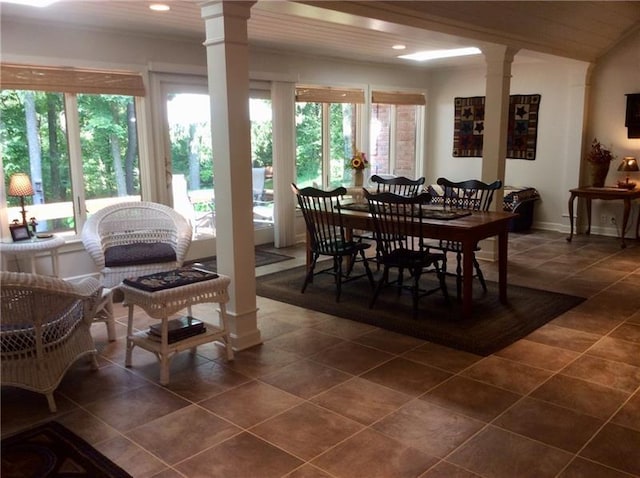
x=468 y=230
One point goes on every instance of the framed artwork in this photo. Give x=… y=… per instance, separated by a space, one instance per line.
x=19 y=232
x=522 y=132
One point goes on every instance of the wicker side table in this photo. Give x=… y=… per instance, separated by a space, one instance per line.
x=164 y=303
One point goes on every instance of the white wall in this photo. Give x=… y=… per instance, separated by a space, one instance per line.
x=554 y=79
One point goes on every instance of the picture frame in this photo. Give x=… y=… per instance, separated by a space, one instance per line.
x=19 y=232
x=632 y=116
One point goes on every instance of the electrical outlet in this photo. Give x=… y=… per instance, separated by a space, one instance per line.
x=604 y=219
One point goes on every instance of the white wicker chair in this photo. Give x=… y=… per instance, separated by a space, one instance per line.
x=45 y=328
x=129 y=223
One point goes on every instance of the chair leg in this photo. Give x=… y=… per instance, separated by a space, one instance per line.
x=309 y=276
x=381 y=283
x=367 y=269
x=416 y=291
x=479 y=273
x=338 y=272
x=443 y=283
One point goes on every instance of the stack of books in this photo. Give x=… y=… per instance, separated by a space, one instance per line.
x=179 y=329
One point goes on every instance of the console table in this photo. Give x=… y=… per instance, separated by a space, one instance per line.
x=606 y=194
x=161 y=304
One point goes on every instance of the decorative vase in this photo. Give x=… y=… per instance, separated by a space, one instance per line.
x=599 y=173
x=358 y=178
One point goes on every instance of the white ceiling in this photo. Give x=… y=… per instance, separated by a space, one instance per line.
x=365 y=30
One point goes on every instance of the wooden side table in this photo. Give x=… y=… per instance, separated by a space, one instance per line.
x=606 y=194
x=32 y=247
x=164 y=303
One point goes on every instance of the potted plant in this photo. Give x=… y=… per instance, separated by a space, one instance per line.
x=599 y=159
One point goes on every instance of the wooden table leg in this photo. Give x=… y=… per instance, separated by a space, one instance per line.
x=625 y=220
x=588 y=215
x=573 y=196
x=467 y=279
x=503 y=241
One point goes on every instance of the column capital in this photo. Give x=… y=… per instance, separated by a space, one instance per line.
x=498 y=53
x=218 y=8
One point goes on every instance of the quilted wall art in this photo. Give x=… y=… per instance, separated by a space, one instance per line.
x=522 y=131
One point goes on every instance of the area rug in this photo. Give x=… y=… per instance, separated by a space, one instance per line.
x=51 y=450
x=522 y=130
x=492 y=327
x=263 y=258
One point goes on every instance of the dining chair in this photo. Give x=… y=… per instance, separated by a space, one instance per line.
x=402 y=244
x=322 y=216
x=473 y=195
x=398 y=185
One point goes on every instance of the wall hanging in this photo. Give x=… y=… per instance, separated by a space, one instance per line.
x=468 y=128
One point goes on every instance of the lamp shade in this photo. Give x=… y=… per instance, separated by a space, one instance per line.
x=629 y=163
x=20 y=185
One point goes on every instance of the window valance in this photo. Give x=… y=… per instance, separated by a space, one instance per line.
x=312 y=94
x=397 y=98
x=70 y=80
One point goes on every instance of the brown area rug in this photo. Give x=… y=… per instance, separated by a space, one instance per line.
x=51 y=450
x=492 y=327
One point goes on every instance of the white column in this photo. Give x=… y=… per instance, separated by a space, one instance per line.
x=228 y=72
x=283 y=97
x=496 y=118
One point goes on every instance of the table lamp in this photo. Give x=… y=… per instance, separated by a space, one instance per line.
x=20 y=186
x=629 y=164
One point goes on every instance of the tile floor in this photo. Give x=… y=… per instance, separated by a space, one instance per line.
x=326 y=397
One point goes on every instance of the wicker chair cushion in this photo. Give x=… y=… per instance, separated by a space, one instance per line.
x=139 y=253
x=22 y=338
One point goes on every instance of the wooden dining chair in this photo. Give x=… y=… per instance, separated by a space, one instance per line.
x=321 y=212
x=402 y=245
x=473 y=195
x=398 y=185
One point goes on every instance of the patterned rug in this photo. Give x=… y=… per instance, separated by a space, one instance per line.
x=263 y=258
x=522 y=134
x=51 y=450
x=492 y=327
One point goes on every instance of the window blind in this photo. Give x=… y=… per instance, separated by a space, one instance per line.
x=70 y=80
x=312 y=94
x=397 y=98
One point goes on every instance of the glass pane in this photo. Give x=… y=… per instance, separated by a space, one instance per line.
x=341 y=141
x=34 y=141
x=380 y=139
x=309 y=144
x=262 y=161
x=406 y=130
x=192 y=160
x=109 y=145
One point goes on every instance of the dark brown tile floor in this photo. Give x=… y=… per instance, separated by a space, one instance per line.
x=325 y=397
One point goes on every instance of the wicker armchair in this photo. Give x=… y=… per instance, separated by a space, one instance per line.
x=45 y=328
x=136 y=238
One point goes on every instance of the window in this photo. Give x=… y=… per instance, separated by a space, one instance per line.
x=396 y=121
x=326 y=134
x=78 y=146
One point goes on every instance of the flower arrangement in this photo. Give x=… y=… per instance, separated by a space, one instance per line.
x=358 y=161
x=598 y=154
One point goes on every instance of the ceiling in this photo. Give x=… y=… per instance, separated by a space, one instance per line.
x=366 y=30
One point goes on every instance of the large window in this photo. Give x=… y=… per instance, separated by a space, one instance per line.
x=396 y=120
x=80 y=150
x=326 y=134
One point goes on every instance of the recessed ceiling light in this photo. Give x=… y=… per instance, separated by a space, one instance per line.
x=159 y=7
x=435 y=54
x=32 y=3
x=399 y=47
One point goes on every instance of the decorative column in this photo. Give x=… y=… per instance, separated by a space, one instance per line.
x=496 y=118
x=228 y=72
x=283 y=99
